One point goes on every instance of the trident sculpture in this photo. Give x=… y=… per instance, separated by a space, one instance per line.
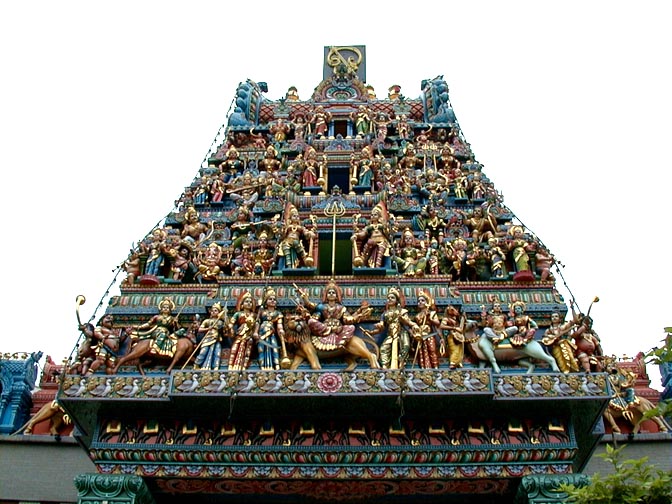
x=334 y=208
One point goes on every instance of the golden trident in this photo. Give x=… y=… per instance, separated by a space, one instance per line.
x=334 y=208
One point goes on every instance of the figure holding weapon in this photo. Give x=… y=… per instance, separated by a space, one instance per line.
x=397 y=322
x=210 y=347
x=428 y=324
x=270 y=329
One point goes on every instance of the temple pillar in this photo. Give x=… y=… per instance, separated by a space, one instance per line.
x=112 y=489
x=543 y=489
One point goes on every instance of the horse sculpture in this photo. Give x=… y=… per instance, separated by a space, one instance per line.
x=307 y=344
x=143 y=351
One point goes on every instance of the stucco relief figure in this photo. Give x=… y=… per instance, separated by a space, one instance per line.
x=427 y=333
x=372 y=243
x=331 y=329
x=296 y=240
x=243 y=325
x=397 y=323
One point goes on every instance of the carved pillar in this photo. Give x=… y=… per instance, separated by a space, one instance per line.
x=112 y=489
x=543 y=489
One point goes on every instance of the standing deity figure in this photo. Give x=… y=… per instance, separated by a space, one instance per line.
x=270 y=331
x=243 y=325
x=562 y=347
x=455 y=329
x=519 y=247
x=362 y=120
x=319 y=121
x=397 y=322
x=428 y=323
x=157 y=248
x=588 y=346
x=107 y=341
x=374 y=239
x=294 y=239
x=210 y=331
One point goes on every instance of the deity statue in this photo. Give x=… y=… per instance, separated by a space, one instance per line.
x=243 y=325
x=427 y=333
x=294 y=239
x=410 y=258
x=270 y=332
x=397 y=322
x=562 y=347
x=374 y=239
x=210 y=346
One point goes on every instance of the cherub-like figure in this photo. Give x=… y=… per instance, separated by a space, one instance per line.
x=132 y=267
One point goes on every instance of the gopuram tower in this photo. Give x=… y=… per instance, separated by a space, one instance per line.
x=340 y=307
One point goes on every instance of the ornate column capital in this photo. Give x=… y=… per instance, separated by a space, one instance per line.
x=112 y=488
x=543 y=489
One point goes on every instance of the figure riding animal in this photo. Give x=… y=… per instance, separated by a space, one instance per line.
x=308 y=346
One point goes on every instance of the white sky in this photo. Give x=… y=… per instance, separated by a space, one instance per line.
x=108 y=108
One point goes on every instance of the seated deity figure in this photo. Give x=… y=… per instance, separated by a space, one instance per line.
x=374 y=239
